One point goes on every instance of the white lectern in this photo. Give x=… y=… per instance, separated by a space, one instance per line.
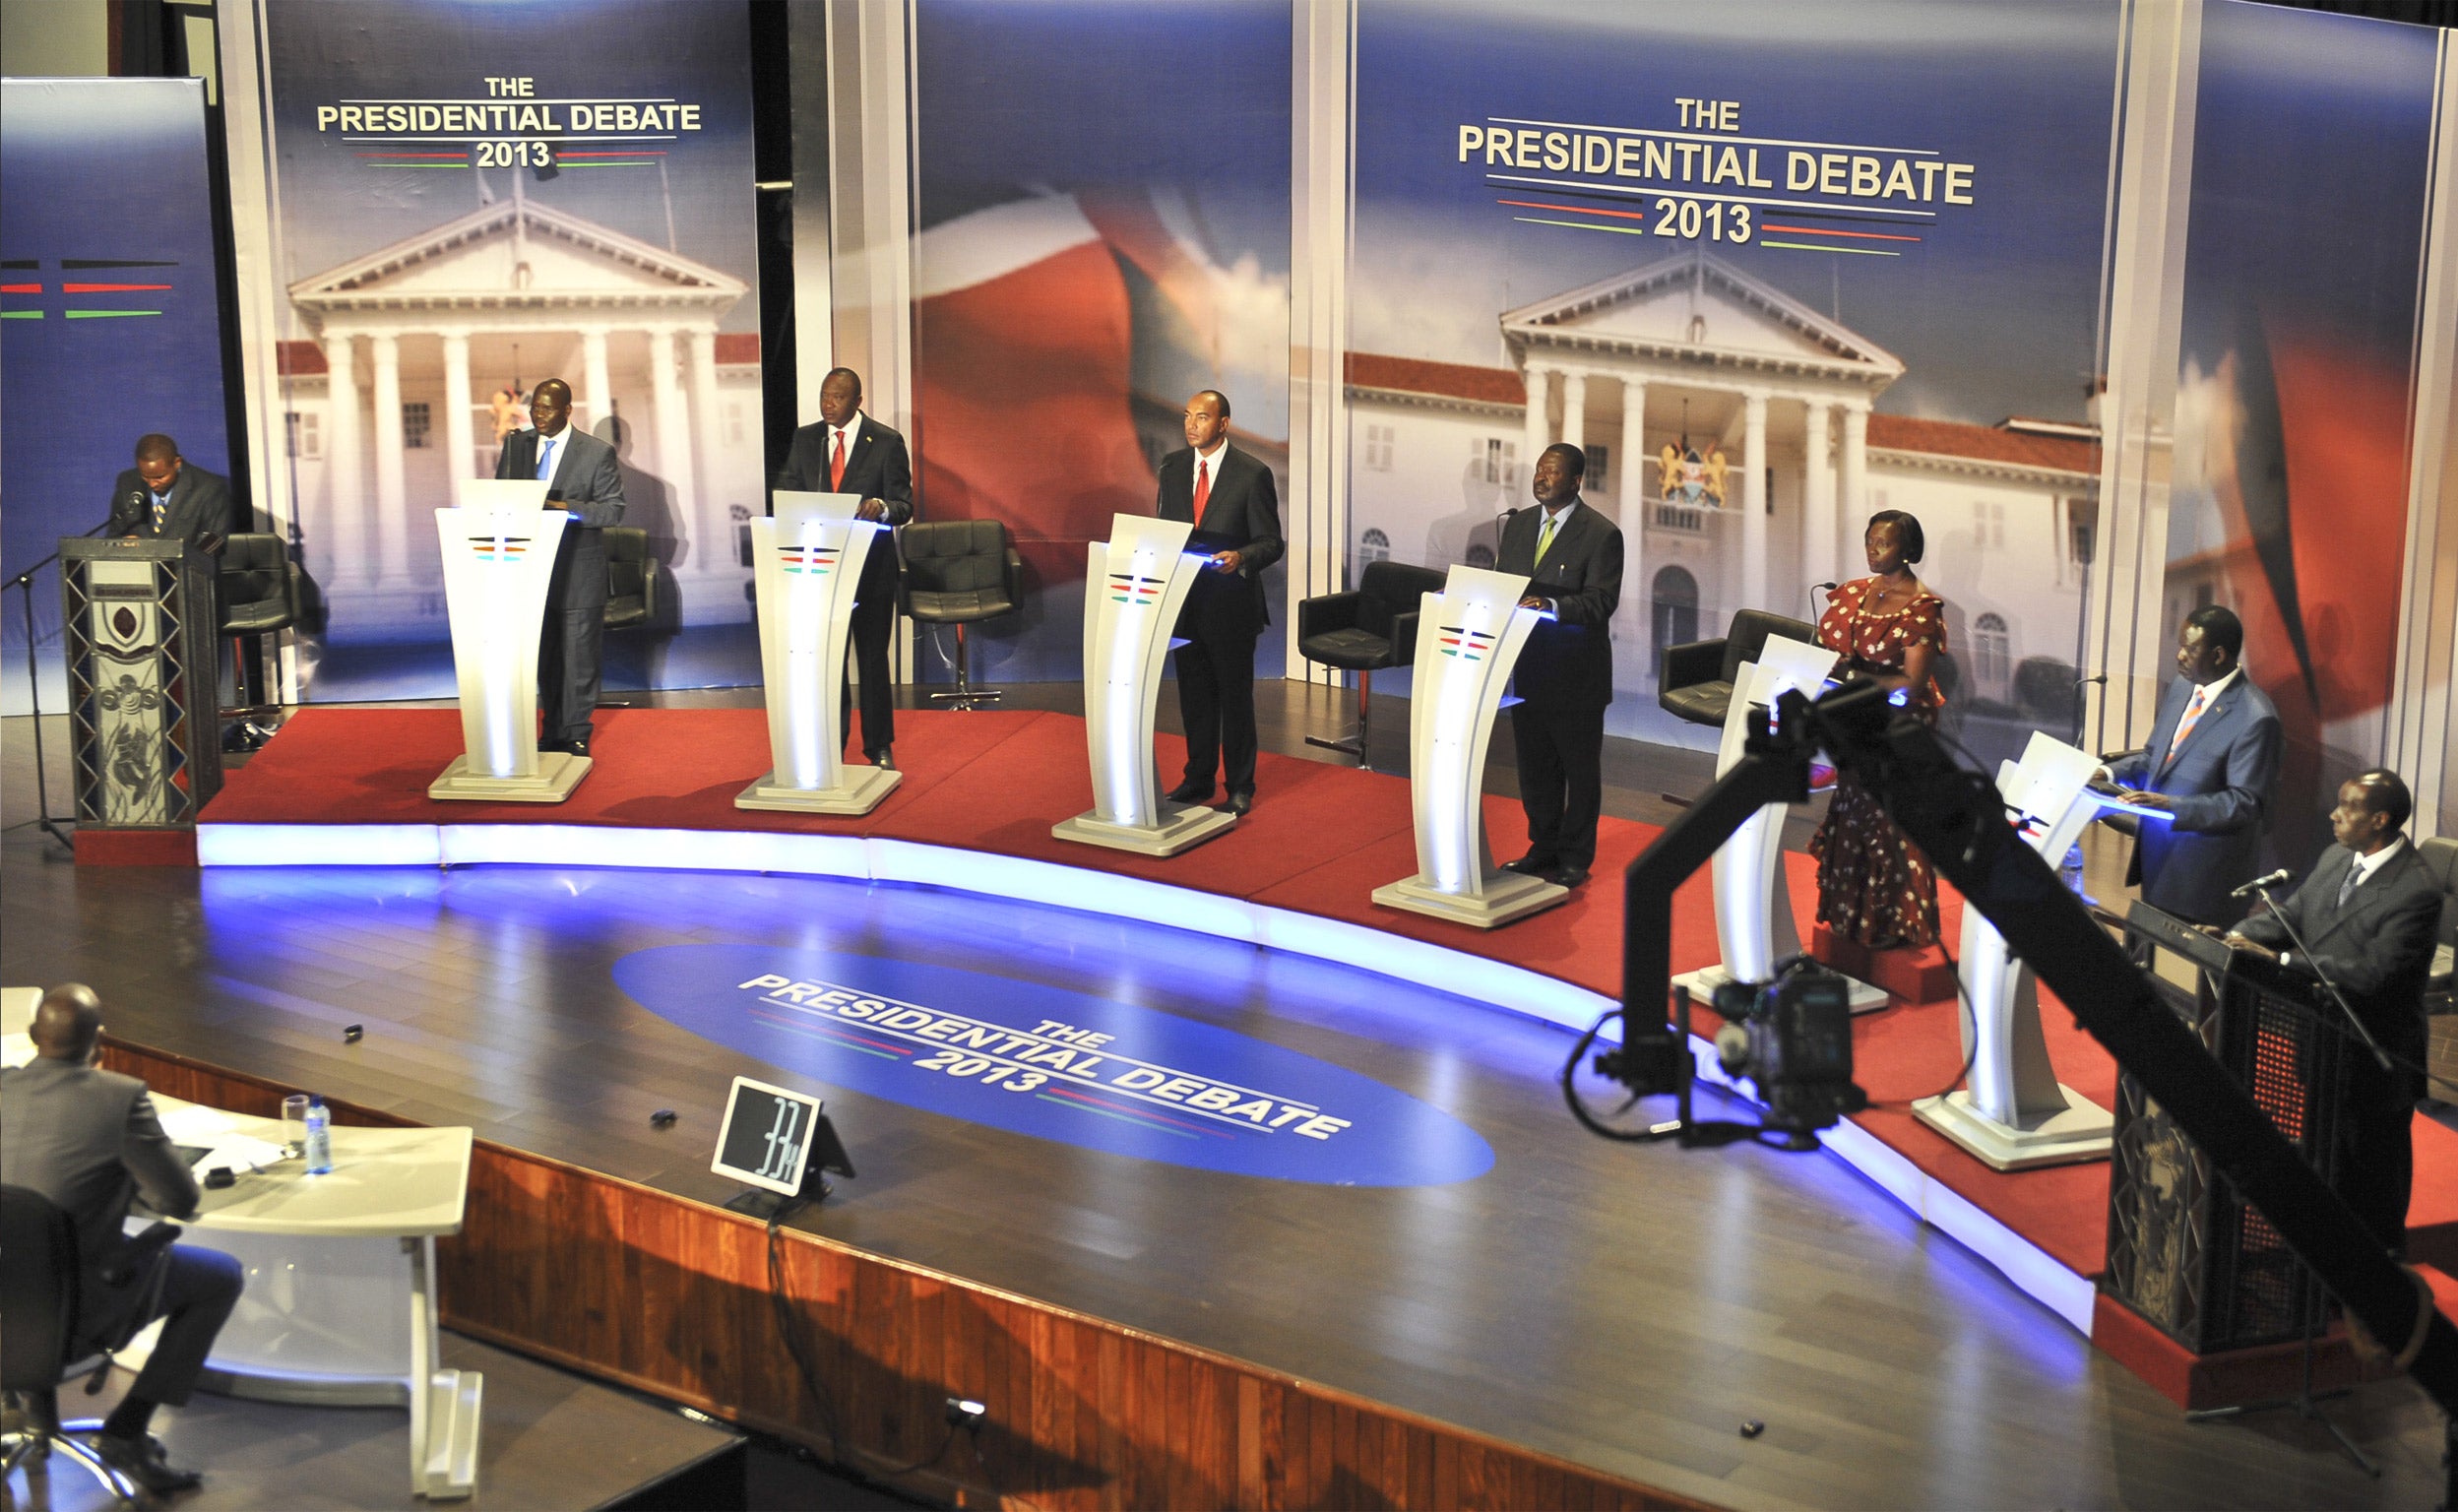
x=806 y=567
x=1468 y=640
x=2015 y=1113
x=1136 y=583
x=1754 y=923
x=499 y=559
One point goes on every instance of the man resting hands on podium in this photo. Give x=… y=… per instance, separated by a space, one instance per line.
x=2367 y=911
x=583 y=481
x=848 y=451
x=1231 y=500
x=167 y=497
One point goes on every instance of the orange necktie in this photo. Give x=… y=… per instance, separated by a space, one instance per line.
x=1202 y=487
x=2184 y=726
x=836 y=465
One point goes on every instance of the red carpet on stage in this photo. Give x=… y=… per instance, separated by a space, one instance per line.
x=1320 y=840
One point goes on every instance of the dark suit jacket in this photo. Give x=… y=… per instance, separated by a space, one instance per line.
x=200 y=504
x=588 y=484
x=876 y=467
x=1569 y=661
x=88 y=1140
x=1241 y=513
x=2223 y=780
x=2379 y=950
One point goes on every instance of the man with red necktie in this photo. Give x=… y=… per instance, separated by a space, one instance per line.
x=2208 y=774
x=848 y=451
x=1229 y=497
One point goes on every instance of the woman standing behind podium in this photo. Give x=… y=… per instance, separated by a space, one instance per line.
x=1874 y=886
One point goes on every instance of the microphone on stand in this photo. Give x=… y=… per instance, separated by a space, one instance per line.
x=1814 y=589
x=2258 y=884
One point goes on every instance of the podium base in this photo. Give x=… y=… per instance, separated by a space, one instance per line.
x=859 y=790
x=1182 y=826
x=557 y=775
x=2080 y=1131
x=1508 y=896
x=1703 y=983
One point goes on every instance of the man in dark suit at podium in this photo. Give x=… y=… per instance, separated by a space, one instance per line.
x=848 y=451
x=1229 y=497
x=2207 y=775
x=1571 y=557
x=2368 y=911
x=583 y=481
x=167 y=497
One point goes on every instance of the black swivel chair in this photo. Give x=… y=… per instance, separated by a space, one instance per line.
x=1372 y=625
x=960 y=572
x=1695 y=683
x=633 y=594
x=2441 y=993
x=38 y=1347
x=258 y=587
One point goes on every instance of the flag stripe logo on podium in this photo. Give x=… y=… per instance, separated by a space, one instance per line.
x=1133 y=587
x=810 y=561
x=1460 y=641
x=499 y=549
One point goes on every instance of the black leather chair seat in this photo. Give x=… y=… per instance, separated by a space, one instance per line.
x=631 y=578
x=1352 y=650
x=1701 y=703
x=1696 y=680
x=962 y=604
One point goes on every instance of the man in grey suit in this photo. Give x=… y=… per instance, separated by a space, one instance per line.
x=167 y=497
x=88 y=1140
x=583 y=481
x=2207 y=777
x=2368 y=911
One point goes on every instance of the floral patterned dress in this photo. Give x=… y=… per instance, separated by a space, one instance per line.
x=1874 y=886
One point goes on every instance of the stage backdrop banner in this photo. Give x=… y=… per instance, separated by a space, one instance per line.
x=1776 y=265
x=475 y=198
x=1102 y=192
x=2312 y=152
x=112 y=329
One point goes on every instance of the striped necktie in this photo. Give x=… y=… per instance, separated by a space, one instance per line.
x=2193 y=716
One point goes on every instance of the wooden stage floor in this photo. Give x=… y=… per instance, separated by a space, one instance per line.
x=1623 y=1309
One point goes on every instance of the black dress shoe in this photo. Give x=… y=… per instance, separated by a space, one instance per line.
x=1566 y=876
x=145 y=1462
x=1531 y=866
x=567 y=747
x=1242 y=803
x=884 y=757
x=1191 y=792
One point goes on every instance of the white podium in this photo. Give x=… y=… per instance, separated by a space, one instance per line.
x=1754 y=923
x=806 y=567
x=1133 y=589
x=2015 y=1113
x=499 y=559
x=1468 y=640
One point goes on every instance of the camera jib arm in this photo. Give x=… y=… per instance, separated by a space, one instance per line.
x=1958 y=820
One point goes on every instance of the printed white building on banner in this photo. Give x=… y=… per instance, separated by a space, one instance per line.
x=1730 y=433
x=423 y=355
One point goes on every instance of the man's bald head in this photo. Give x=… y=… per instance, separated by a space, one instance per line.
x=67 y=1022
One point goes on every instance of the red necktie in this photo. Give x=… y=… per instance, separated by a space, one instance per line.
x=1202 y=487
x=836 y=465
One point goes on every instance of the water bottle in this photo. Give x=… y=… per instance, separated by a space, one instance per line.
x=2071 y=873
x=319 y=1137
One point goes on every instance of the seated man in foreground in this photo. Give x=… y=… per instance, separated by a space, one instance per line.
x=87 y=1139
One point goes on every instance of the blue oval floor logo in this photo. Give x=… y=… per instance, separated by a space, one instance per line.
x=1056 y=1064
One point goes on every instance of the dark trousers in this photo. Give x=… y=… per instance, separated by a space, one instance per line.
x=875 y=619
x=1561 y=780
x=200 y=1286
x=572 y=637
x=1216 y=699
x=2376 y=1153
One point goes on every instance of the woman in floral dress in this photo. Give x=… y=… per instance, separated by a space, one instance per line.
x=1874 y=886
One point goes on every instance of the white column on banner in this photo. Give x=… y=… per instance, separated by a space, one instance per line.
x=391 y=489
x=1539 y=432
x=1574 y=410
x=1855 y=508
x=596 y=388
x=701 y=344
x=459 y=443
x=1754 y=499
x=708 y=543
x=1818 y=527
x=344 y=466
x=1630 y=495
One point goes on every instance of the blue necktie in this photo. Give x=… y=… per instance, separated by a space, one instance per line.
x=546 y=458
